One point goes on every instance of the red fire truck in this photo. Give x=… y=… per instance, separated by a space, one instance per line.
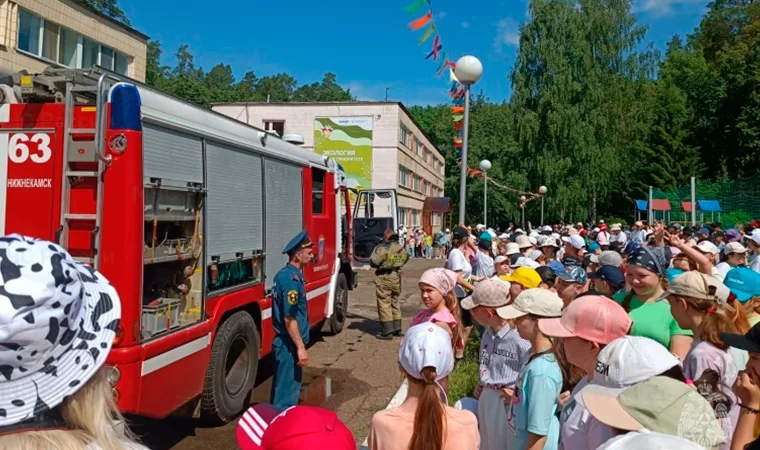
x=186 y=212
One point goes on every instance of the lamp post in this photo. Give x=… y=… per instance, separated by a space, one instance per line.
x=468 y=71
x=542 y=190
x=522 y=206
x=485 y=166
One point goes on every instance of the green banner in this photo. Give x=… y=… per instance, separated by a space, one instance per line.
x=347 y=140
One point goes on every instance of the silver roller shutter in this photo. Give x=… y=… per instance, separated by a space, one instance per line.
x=234 y=202
x=173 y=156
x=283 y=187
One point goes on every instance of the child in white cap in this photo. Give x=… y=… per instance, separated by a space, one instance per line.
x=423 y=421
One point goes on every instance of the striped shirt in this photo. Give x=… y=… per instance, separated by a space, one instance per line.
x=502 y=356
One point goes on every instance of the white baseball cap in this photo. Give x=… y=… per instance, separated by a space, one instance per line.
x=426 y=345
x=629 y=360
x=548 y=242
x=575 y=240
x=519 y=231
x=734 y=247
x=537 y=301
x=503 y=236
x=755 y=236
x=649 y=440
x=708 y=247
x=500 y=259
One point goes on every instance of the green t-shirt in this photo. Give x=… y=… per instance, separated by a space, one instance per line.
x=652 y=320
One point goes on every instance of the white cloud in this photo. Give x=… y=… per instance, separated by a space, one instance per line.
x=667 y=7
x=507 y=34
x=465 y=24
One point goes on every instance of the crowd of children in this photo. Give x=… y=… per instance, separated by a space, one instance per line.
x=646 y=345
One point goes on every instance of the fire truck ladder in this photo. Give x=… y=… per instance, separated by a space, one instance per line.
x=81 y=89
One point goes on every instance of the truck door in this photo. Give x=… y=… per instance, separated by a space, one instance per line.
x=374 y=212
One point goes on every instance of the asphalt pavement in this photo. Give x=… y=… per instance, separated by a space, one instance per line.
x=352 y=373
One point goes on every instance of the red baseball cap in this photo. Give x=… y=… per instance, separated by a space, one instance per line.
x=264 y=427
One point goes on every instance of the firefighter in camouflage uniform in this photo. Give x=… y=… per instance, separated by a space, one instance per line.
x=387 y=259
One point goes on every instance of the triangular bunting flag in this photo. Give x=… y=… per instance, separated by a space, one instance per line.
x=421 y=22
x=459 y=101
x=434 y=51
x=458 y=125
x=416 y=6
x=436 y=46
x=458 y=117
x=428 y=33
x=452 y=77
x=457 y=109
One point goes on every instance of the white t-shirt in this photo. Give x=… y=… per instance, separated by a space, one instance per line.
x=459 y=263
x=579 y=430
x=720 y=276
x=723 y=268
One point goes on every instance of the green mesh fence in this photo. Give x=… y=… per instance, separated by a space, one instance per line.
x=739 y=201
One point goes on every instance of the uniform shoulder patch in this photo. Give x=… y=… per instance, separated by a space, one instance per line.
x=293 y=297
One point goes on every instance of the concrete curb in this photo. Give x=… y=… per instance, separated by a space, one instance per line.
x=398 y=398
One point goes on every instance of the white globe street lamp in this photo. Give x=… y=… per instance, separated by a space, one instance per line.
x=485 y=166
x=468 y=71
x=522 y=207
x=542 y=190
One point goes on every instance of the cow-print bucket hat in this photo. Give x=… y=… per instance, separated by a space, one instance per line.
x=58 y=319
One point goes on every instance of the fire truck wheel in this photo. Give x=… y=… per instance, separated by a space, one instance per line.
x=338 y=318
x=232 y=369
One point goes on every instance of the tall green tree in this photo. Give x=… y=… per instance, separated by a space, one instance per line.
x=575 y=87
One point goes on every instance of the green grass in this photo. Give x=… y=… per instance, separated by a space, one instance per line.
x=464 y=378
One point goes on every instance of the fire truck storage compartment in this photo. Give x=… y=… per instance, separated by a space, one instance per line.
x=235 y=214
x=172 y=251
x=283 y=187
x=171 y=156
x=173 y=226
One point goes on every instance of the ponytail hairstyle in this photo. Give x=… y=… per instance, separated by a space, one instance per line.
x=430 y=416
x=452 y=304
x=718 y=319
x=739 y=316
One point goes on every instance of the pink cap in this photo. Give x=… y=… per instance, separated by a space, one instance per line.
x=594 y=318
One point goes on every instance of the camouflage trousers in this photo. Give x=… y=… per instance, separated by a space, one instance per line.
x=388 y=290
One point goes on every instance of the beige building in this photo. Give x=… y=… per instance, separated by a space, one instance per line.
x=403 y=158
x=35 y=34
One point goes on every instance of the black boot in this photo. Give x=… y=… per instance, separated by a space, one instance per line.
x=397 y=328
x=386 y=331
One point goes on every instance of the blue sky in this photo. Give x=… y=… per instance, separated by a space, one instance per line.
x=367 y=44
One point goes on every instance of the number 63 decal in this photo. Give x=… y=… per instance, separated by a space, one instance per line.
x=19 y=152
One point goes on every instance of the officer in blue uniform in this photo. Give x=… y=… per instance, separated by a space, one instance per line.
x=291 y=323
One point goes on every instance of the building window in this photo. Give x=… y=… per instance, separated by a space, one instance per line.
x=317 y=191
x=420 y=148
x=402 y=215
x=403 y=135
x=56 y=44
x=29 y=27
x=415 y=218
x=436 y=219
x=277 y=126
x=403 y=176
x=416 y=183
